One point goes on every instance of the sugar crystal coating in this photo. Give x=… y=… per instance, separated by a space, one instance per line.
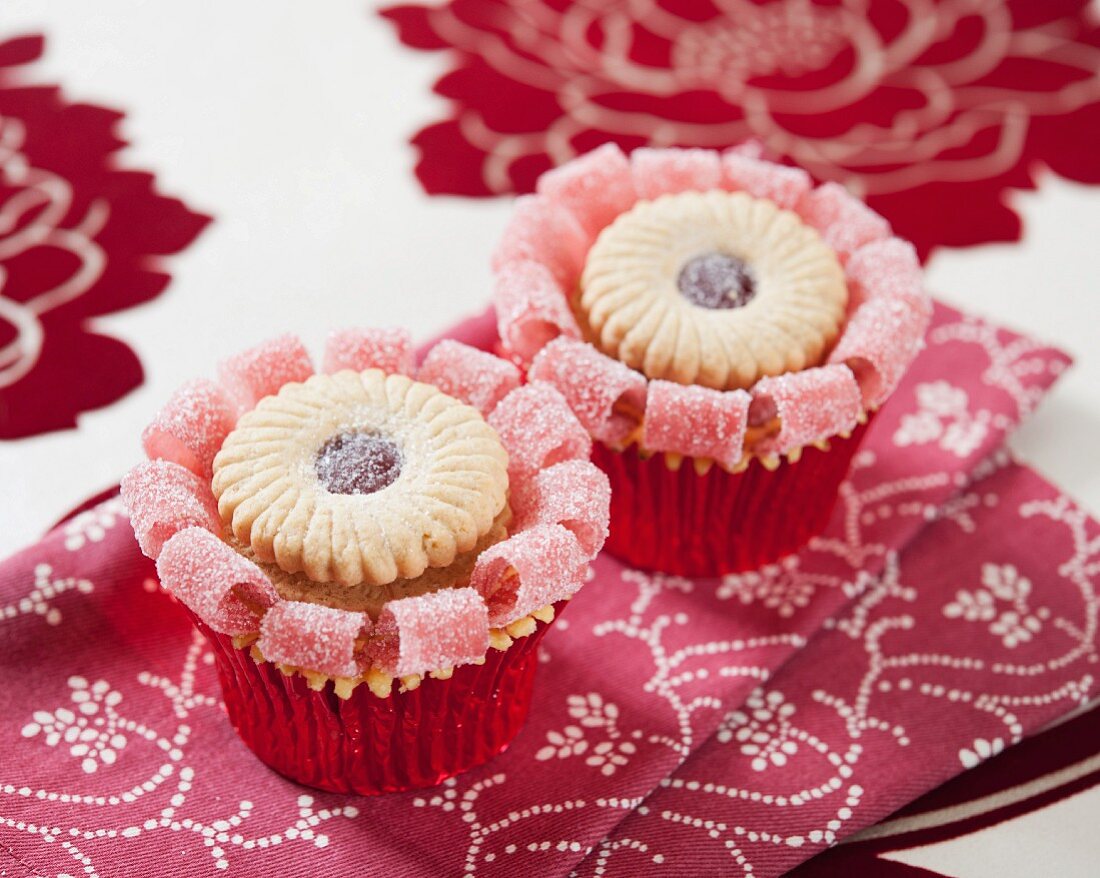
x=881 y=339
x=696 y=421
x=845 y=222
x=388 y=349
x=430 y=632
x=313 y=637
x=664 y=171
x=542 y=231
x=162 y=498
x=778 y=183
x=888 y=268
x=575 y=494
x=595 y=188
x=261 y=370
x=190 y=428
x=607 y=397
x=531 y=309
x=475 y=377
x=538 y=429
x=357 y=463
x=530 y=569
x=811 y=405
x=227 y=591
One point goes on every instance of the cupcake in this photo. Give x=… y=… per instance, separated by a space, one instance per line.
x=372 y=556
x=723 y=330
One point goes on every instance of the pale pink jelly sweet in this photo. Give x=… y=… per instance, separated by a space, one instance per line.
x=224 y=589
x=314 y=637
x=845 y=222
x=594 y=188
x=888 y=268
x=468 y=374
x=542 y=231
x=539 y=429
x=811 y=405
x=388 y=349
x=429 y=632
x=668 y=171
x=163 y=498
x=779 y=184
x=531 y=309
x=696 y=421
x=529 y=570
x=261 y=370
x=575 y=494
x=191 y=427
x=607 y=396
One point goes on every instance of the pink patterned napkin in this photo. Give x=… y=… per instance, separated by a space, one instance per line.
x=960 y=621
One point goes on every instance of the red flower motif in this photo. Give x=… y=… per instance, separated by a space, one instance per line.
x=929 y=110
x=78 y=238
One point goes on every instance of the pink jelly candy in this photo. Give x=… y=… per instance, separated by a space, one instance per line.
x=473 y=376
x=813 y=404
x=162 y=498
x=430 y=632
x=313 y=637
x=782 y=185
x=227 y=591
x=542 y=231
x=531 y=309
x=595 y=188
x=845 y=222
x=529 y=570
x=663 y=171
x=886 y=268
x=881 y=339
x=696 y=421
x=607 y=397
x=390 y=350
x=191 y=427
x=260 y=371
x=538 y=429
x=575 y=494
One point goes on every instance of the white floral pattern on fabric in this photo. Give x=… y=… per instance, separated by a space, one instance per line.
x=761 y=728
x=1001 y=584
x=943 y=417
x=980 y=751
x=91 y=525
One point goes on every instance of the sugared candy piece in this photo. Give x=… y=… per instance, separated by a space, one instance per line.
x=595 y=188
x=190 y=428
x=529 y=570
x=542 y=231
x=886 y=268
x=227 y=591
x=162 y=498
x=261 y=370
x=473 y=376
x=575 y=494
x=538 y=429
x=390 y=350
x=845 y=222
x=813 y=404
x=881 y=339
x=313 y=637
x=663 y=171
x=531 y=309
x=782 y=185
x=431 y=632
x=607 y=397
x=696 y=421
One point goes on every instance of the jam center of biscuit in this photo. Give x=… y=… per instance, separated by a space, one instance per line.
x=717 y=281
x=357 y=463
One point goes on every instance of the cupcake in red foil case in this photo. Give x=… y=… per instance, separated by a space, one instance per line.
x=373 y=552
x=724 y=331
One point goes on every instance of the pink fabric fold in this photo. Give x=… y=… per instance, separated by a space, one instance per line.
x=679 y=727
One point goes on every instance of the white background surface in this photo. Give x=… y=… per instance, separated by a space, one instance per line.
x=289 y=122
